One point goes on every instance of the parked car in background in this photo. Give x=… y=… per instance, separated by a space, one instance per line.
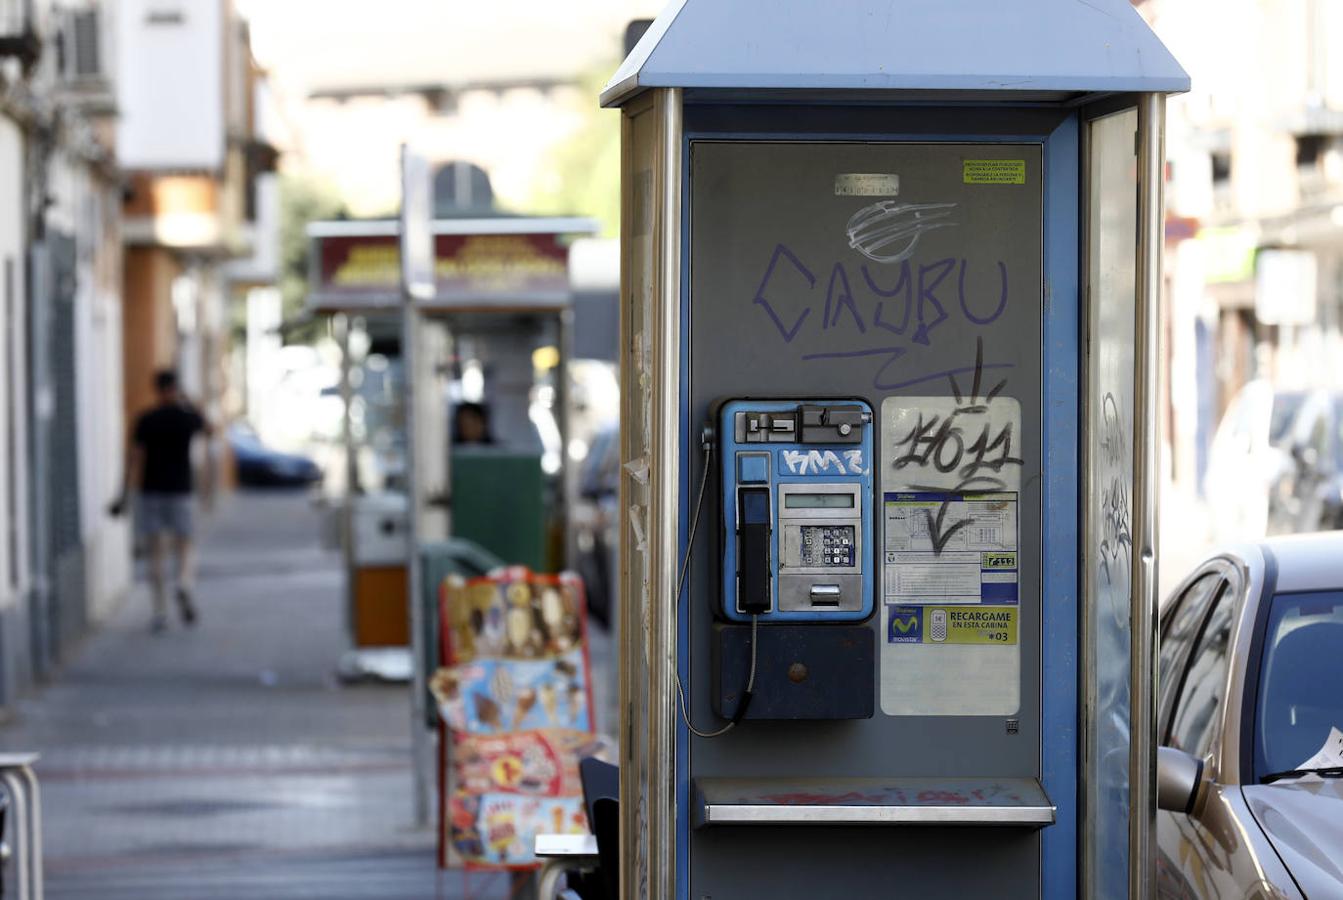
x=1329 y=491
x=260 y=466
x=1276 y=464
x=1250 y=771
x=596 y=521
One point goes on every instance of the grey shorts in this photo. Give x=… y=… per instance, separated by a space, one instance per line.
x=164 y=514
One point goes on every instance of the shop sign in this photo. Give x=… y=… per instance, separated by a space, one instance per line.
x=469 y=269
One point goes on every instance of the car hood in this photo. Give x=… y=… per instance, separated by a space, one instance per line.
x=1301 y=820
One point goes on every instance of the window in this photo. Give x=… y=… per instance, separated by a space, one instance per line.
x=1299 y=698
x=1310 y=147
x=1202 y=694
x=1179 y=627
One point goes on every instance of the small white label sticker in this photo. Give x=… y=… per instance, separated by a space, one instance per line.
x=866 y=184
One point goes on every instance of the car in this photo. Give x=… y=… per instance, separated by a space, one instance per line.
x=1324 y=508
x=260 y=466
x=595 y=519
x=1276 y=462
x=1250 y=723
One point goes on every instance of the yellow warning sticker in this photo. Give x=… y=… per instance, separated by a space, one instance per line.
x=993 y=171
x=970 y=625
x=998 y=559
x=965 y=624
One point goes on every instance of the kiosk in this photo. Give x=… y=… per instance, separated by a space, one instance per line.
x=501 y=293
x=890 y=276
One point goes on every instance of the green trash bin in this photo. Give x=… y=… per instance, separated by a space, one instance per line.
x=499 y=500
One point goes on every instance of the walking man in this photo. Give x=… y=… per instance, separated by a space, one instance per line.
x=158 y=465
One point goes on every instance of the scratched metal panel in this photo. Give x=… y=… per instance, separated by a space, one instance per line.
x=798 y=289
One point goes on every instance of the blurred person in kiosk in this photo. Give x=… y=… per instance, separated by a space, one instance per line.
x=158 y=470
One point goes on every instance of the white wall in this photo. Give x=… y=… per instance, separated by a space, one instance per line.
x=87 y=207
x=13 y=388
x=170 y=84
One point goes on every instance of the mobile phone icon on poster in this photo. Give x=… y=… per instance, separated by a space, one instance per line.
x=937 y=629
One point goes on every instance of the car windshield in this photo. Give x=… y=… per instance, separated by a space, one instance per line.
x=1285 y=408
x=1299 y=697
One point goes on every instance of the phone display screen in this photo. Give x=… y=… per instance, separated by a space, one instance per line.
x=818 y=501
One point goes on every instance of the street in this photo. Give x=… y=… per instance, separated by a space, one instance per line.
x=671 y=448
x=226 y=760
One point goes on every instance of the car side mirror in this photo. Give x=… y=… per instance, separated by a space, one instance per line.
x=1179 y=781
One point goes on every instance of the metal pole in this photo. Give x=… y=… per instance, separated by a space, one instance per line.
x=34 y=831
x=25 y=816
x=563 y=421
x=415 y=215
x=648 y=868
x=1146 y=429
x=667 y=545
x=410 y=321
x=342 y=326
x=18 y=803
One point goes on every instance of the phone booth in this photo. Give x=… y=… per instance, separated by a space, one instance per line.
x=890 y=287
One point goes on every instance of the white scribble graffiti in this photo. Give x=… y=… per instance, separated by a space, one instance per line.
x=889 y=232
x=823 y=462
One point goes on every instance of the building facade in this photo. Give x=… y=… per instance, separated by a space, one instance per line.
x=189 y=145
x=1254 y=208
x=64 y=559
x=128 y=161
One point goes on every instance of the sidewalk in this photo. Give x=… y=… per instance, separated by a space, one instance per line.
x=226 y=761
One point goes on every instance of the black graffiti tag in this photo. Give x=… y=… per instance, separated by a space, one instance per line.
x=1116 y=546
x=965 y=445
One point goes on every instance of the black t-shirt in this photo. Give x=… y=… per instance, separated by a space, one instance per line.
x=165 y=434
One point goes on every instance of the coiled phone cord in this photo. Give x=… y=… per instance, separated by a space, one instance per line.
x=680 y=585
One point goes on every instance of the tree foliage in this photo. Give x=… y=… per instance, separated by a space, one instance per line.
x=583 y=175
x=303 y=199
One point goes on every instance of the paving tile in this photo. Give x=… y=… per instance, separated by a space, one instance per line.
x=227 y=761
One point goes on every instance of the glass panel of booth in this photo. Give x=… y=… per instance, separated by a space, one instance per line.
x=1111 y=188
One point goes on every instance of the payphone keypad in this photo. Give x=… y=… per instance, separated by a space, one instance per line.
x=828 y=545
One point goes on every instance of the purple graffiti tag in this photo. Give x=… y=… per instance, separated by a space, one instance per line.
x=840 y=300
x=1002 y=296
x=933 y=376
x=892 y=353
x=943 y=268
x=853 y=354
x=762 y=300
x=906 y=284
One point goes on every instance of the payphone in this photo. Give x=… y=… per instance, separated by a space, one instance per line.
x=890 y=261
x=796 y=500
x=797 y=509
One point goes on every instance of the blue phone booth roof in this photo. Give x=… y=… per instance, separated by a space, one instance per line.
x=1046 y=50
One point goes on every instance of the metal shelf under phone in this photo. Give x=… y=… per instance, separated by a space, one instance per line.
x=996 y=802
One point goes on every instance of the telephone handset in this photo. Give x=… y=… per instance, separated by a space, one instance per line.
x=797 y=502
